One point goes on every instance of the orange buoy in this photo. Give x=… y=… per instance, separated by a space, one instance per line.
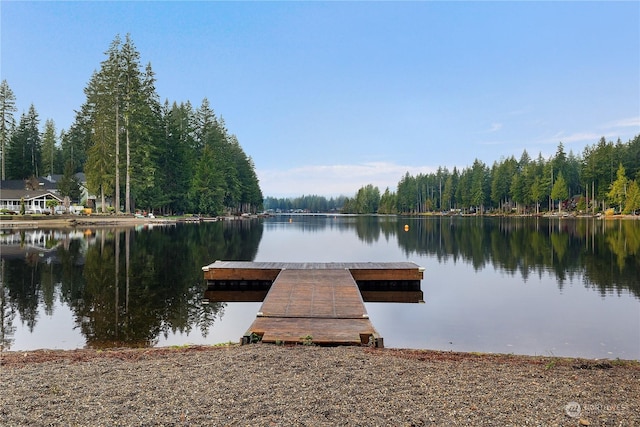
x=406 y=227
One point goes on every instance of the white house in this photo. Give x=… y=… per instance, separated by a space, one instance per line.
x=13 y=193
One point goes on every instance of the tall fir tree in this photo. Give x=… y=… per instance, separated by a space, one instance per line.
x=49 y=148
x=7 y=121
x=24 y=151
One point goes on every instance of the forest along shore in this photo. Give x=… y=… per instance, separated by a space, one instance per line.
x=307 y=385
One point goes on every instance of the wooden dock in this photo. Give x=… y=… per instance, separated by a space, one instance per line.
x=313 y=302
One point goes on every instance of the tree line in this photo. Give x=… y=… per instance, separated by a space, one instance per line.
x=605 y=175
x=135 y=151
x=308 y=203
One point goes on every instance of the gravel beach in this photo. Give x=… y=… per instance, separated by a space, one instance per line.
x=268 y=385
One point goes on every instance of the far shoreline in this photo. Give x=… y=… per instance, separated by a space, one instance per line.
x=22 y=222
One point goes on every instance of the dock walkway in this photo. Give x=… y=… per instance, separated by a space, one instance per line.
x=314 y=302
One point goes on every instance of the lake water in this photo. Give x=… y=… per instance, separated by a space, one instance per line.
x=553 y=287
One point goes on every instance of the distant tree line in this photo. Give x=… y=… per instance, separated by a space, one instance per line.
x=605 y=175
x=307 y=203
x=135 y=151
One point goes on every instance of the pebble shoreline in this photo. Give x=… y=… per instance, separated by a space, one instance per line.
x=266 y=385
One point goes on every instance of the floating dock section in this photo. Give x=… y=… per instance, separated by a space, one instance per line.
x=319 y=303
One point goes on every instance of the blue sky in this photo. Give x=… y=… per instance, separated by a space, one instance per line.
x=327 y=97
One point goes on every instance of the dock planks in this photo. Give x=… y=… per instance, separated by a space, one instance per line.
x=318 y=302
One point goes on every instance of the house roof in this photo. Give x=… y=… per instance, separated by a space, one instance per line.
x=21 y=184
x=13 y=194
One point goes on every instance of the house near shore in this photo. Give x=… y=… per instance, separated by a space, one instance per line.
x=14 y=193
x=36 y=192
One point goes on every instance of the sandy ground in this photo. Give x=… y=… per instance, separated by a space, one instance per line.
x=268 y=385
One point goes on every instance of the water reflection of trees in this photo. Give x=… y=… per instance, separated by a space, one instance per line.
x=606 y=253
x=125 y=287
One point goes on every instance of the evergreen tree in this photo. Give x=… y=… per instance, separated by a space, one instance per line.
x=367 y=199
x=632 y=201
x=177 y=158
x=632 y=158
x=161 y=156
x=559 y=191
x=145 y=141
x=7 y=121
x=207 y=190
x=480 y=185
x=406 y=194
x=69 y=186
x=100 y=161
x=24 y=151
x=133 y=107
x=537 y=192
x=618 y=192
x=108 y=101
x=76 y=141
x=502 y=177
x=49 y=148
x=387 y=202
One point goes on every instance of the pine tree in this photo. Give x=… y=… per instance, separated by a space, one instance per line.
x=163 y=147
x=100 y=161
x=618 y=191
x=632 y=201
x=131 y=95
x=49 y=149
x=24 y=151
x=108 y=101
x=69 y=186
x=207 y=190
x=7 y=121
x=559 y=191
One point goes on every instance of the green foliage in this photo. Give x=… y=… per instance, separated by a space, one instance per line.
x=559 y=191
x=310 y=203
x=122 y=130
x=366 y=201
x=7 y=121
x=618 y=192
x=503 y=175
x=24 y=150
x=51 y=154
x=388 y=202
x=632 y=200
x=527 y=183
x=208 y=188
x=69 y=184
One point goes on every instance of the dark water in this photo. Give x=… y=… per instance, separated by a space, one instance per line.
x=510 y=285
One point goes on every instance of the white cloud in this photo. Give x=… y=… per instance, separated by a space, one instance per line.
x=588 y=137
x=495 y=127
x=623 y=123
x=334 y=180
x=613 y=130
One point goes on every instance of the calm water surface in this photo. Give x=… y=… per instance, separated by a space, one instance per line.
x=507 y=285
